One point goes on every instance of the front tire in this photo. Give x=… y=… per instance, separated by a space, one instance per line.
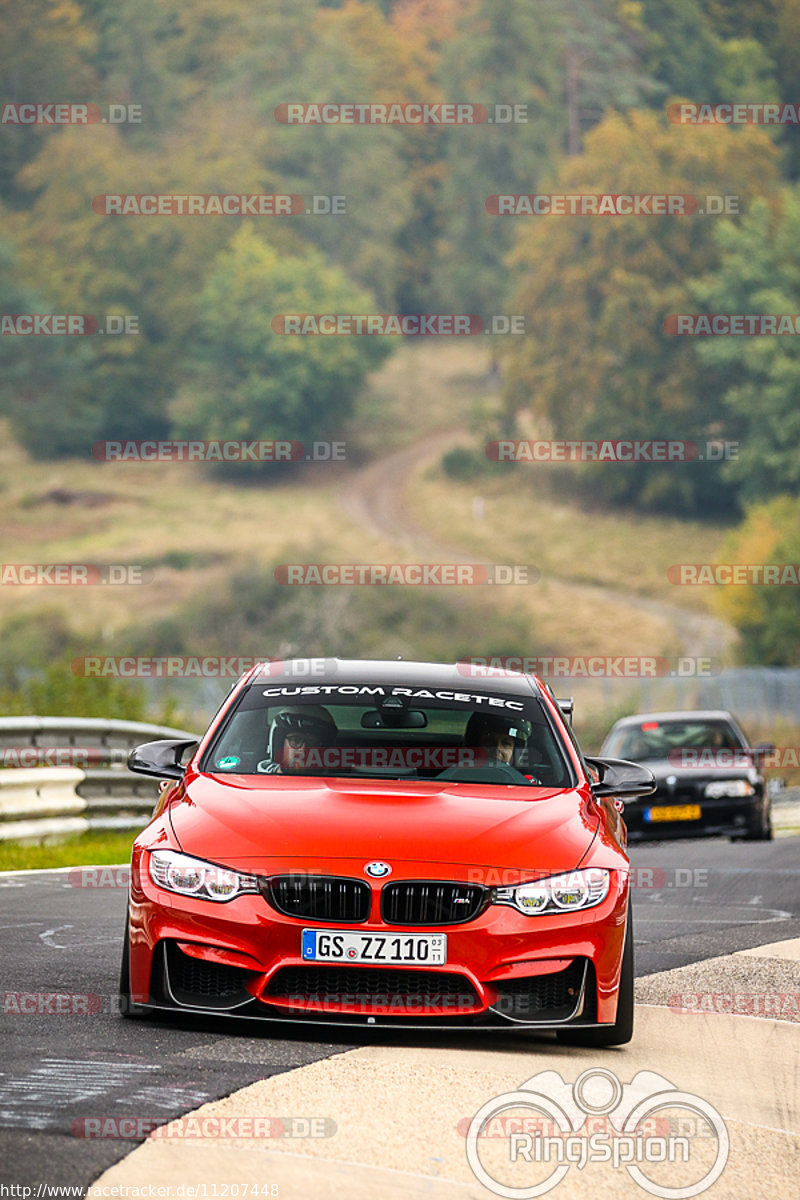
x=621 y=1031
x=127 y=1007
x=761 y=830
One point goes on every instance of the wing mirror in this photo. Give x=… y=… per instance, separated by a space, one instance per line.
x=162 y=759
x=620 y=778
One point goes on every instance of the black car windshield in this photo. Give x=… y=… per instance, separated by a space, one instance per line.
x=385 y=732
x=654 y=739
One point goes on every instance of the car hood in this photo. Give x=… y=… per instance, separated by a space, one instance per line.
x=271 y=825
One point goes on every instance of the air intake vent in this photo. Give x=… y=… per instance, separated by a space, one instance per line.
x=319 y=897
x=424 y=902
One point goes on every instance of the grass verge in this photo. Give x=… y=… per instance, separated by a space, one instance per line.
x=96 y=848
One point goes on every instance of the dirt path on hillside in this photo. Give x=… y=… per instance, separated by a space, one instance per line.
x=375 y=498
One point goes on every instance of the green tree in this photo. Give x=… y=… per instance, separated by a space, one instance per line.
x=252 y=382
x=681 y=49
x=743 y=18
x=569 y=63
x=46 y=51
x=57 y=692
x=759 y=272
x=595 y=291
x=43 y=378
x=767 y=616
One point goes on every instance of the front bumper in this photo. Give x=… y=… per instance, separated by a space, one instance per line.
x=725 y=815
x=504 y=969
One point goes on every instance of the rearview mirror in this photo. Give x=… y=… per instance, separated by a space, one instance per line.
x=621 y=778
x=394 y=718
x=162 y=759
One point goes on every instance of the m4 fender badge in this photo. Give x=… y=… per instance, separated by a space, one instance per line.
x=377 y=870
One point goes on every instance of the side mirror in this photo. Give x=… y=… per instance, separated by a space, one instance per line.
x=162 y=759
x=762 y=750
x=620 y=778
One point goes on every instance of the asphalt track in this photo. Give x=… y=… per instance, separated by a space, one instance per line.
x=694 y=900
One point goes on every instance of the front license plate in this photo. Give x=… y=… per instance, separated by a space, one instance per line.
x=673 y=812
x=342 y=945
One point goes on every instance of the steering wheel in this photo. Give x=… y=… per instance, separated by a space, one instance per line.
x=497 y=772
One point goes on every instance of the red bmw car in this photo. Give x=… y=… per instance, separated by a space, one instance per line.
x=386 y=843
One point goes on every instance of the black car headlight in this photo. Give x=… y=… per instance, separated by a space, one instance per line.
x=192 y=877
x=569 y=892
x=728 y=787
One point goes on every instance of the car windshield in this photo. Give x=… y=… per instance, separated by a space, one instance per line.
x=653 y=739
x=384 y=732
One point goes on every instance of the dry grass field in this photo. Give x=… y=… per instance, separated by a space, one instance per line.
x=603 y=589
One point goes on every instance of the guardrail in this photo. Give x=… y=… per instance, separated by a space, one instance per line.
x=60 y=776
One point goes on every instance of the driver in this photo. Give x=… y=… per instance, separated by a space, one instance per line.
x=497 y=735
x=293 y=732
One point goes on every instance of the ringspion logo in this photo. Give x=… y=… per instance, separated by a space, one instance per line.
x=548 y=1125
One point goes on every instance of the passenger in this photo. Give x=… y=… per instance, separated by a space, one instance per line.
x=498 y=735
x=293 y=732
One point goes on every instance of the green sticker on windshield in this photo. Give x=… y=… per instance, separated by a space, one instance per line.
x=226 y=763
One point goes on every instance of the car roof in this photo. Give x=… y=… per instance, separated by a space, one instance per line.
x=420 y=674
x=711 y=714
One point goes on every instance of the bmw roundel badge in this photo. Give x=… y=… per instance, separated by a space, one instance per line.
x=377 y=870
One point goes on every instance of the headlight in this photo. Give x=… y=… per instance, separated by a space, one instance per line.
x=192 y=877
x=728 y=787
x=558 y=893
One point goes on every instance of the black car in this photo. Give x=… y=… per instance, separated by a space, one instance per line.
x=708 y=775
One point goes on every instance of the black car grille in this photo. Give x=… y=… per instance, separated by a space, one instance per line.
x=541 y=997
x=421 y=902
x=685 y=794
x=202 y=984
x=403 y=991
x=318 y=897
